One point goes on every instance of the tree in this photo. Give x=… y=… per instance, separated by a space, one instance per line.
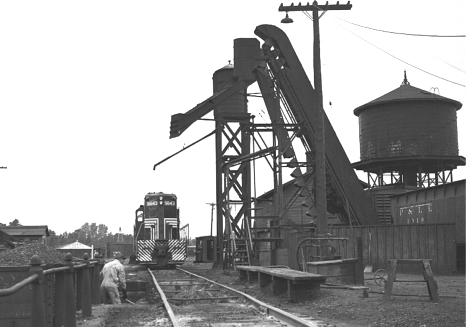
x=102 y=235
x=55 y=240
x=93 y=231
x=90 y=234
x=15 y=223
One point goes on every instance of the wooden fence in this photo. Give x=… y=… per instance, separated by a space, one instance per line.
x=383 y=242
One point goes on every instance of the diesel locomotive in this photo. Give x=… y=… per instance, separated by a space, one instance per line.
x=157 y=240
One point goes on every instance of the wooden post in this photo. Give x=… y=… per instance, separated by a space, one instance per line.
x=427 y=274
x=86 y=287
x=390 y=281
x=320 y=157
x=430 y=281
x=59 y=299
x=37 y=303
x=78 y=288
x=359 y=276
x=96 y=285
x=70 y=300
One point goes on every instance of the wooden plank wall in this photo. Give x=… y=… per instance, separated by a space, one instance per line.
x=384 y=242
x=294 y=239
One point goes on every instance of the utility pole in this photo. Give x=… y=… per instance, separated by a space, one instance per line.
x=212 y=213
x=320 y=153
x=119 y=235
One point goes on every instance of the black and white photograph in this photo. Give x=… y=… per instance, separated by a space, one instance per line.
x=233 y=163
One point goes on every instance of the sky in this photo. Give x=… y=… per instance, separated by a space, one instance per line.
x=88 y=88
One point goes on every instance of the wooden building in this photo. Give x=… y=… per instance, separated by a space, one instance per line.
x=298 y=217
x=28 y=234
x=7 y=241
x=76 y=249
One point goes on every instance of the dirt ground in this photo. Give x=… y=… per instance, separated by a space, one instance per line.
x=338 y=307
x=348 y=308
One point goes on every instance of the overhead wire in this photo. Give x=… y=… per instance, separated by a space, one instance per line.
x=400 y=33
x=307 y=14
x=401 y=60
x=397 y=58
x=385 y=31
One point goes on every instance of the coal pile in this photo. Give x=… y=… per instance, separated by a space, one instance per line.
x=21 y=255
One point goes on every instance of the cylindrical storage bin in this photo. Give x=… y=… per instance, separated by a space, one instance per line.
x=408 y=128
x=247 y=53
x=235 y=104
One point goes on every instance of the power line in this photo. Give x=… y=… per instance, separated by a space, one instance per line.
x=405 y=62
x=400 y=33
x=307 y=14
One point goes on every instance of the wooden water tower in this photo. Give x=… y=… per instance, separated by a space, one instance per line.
x=409 y=136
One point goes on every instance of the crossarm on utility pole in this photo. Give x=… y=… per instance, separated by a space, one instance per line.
x=315 y=6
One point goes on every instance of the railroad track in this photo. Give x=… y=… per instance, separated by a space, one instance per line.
x=192 y=300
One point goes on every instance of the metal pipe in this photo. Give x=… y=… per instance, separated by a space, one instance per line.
x=173 y=155
x=15 y=288
x=55 y=270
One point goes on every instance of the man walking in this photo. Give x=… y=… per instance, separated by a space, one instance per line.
x=113 y=279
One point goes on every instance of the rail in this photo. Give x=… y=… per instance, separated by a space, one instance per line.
x=167 y=306
x=56 y=294
x=285 y=317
